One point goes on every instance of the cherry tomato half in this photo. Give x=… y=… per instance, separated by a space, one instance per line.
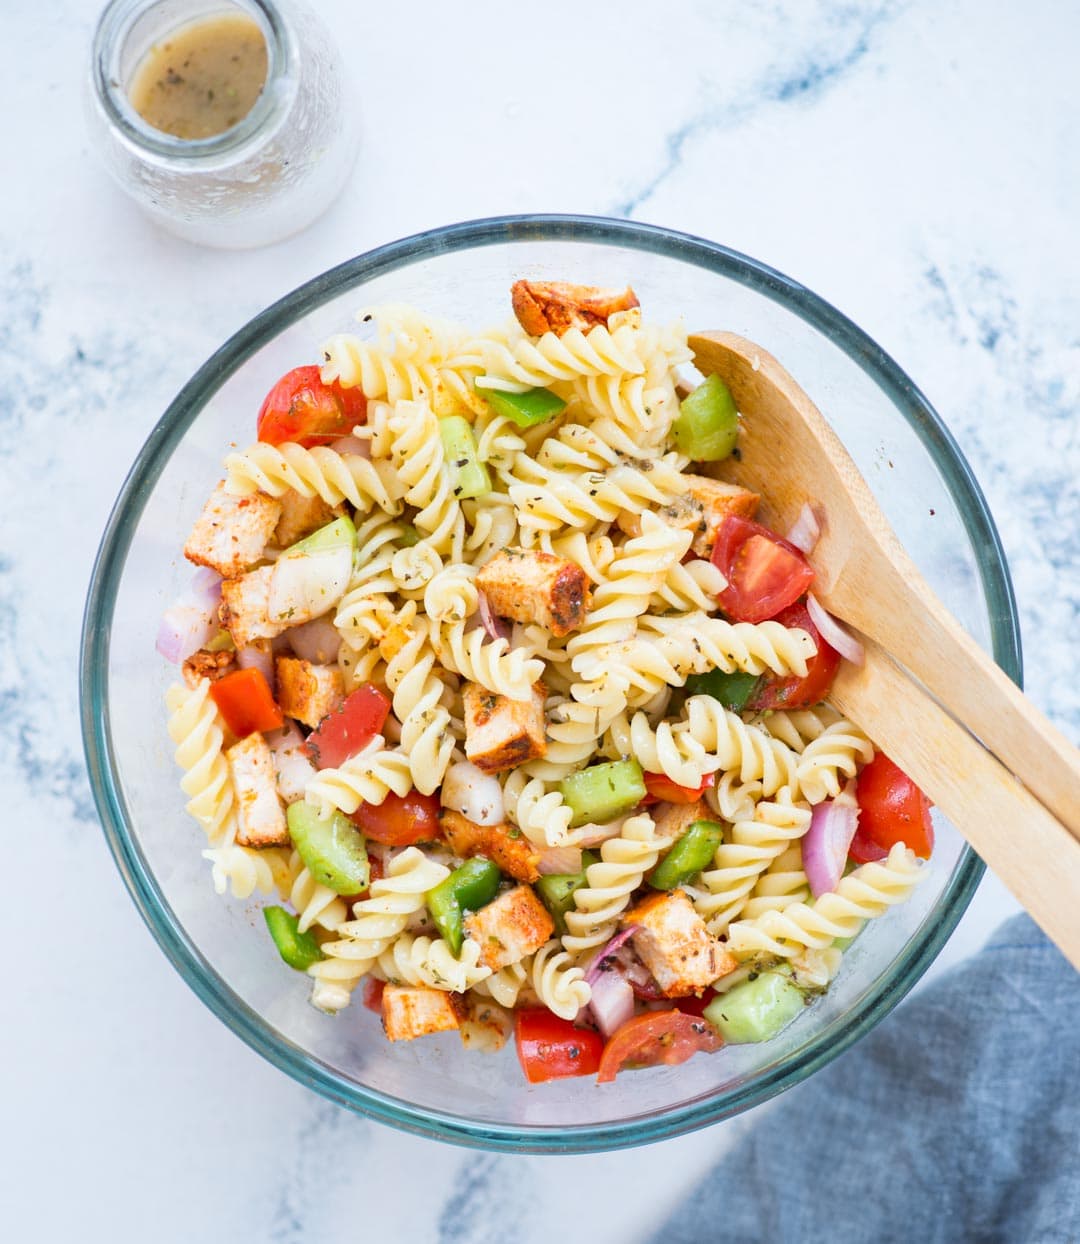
x=693 y=1005
x=550 y=1048
x=662 y=789
x=400 y=820
x=779 y=691
x=246 y=702
x=654 y=1039
x=301 y=408
x=372 y=995
x=348 y=729
x=765 y=573
x=892 y=809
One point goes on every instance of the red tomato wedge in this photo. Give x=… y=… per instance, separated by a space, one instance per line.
x=657 y=1038
x=550 y=1048
x=765 y=573
x=693 y=1005
x=892 y=809
x=372 y=995
x=246 y=702
x=777 y=691
x=301 y=408
x=400 y=820
x=662 y=789
x=348 y=729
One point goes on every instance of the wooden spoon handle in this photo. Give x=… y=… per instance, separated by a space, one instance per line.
x=1029 y=849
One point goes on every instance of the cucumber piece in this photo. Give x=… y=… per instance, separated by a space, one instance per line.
x=468 y=475
x=601 y=792
x=731 y=690
x=338 y=534
x=525 y=409
x=707 y=424
x=333 y=849
x=756 y=1010
x=299 y=950
x=690 y=854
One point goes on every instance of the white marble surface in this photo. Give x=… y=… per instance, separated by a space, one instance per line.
x=915 y=163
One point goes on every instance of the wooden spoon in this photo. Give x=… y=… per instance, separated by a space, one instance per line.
x=1027 y=826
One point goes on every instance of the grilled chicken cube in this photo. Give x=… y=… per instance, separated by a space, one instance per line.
x=503 y=844
x=410 y=1011
x=203 y=664
x=307 y=691
x=555 y=306
x=231 y=532
x=672 y=820
x=260 y=812
x=674 y=944
x=701 y=511
x=530 y=586
x=300 y=516
x=501 y=733
x=245 y=607
x=515 y=925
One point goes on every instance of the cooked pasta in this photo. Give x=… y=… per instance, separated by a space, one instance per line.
x=558 y=982
x=367 y=777
x=319 y=472
x=410 y=960
x=196 y=727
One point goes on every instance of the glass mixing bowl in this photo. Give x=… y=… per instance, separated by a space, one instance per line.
x=433 y=1087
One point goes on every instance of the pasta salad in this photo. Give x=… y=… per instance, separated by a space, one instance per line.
x=502 y=696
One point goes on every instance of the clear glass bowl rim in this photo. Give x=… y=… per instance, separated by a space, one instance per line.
x=155 y=911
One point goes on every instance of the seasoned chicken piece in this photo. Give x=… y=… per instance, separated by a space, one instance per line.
x=530 y=586
x=675 y=945
x=515 y=925
x=501 y=733
x=409 y=1012
x=554 y=306
x=260 y=812
x=292 y=764
x=203 y=664
x=231 y=532
x=300 y=516
x=245 y=607
x=503 y=844
x=307 y=691
x=674 y=819
x=701 y=511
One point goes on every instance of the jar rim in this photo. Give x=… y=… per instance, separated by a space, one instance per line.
x=115 y=26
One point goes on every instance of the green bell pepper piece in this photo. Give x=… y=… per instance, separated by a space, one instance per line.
x=693 y=852
x=468 y=888
x=299 y=950
x=756 y=1010
x=333 y=849
x=221 y=642
x=731 y=690
x=468 y=475
x=556 y=891
x=525 y=409
x=601 y=792
x=707 y=424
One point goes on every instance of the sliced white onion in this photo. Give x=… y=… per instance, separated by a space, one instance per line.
x=257 y=656
x=292 y=765
x=317 y=641
x=592 y=835
x=184 y=629
x=306 y=585
x=497 y=628
x=353 y=445
x=833 y=633
x=826 y=843
x=612 y=1001
x=559 y=860
x=474 y=794
x=807 y=530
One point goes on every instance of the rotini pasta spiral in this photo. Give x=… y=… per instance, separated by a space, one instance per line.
x=862 y=895
x=839 y=749
x=489 y=662
x=505 y=984
x=418 y=455
x=318 y=472
x=452 y=594
x=313 y=902
x=429 y=961
x=558 y=982
x=539 y=812
x=243 y=870
x=367 y=777
x=780 y=885
x=195 y=726
x=377 y=921
x=519 y=362
x=425 y=724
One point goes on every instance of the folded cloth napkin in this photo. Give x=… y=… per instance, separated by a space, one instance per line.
x=956 y=1120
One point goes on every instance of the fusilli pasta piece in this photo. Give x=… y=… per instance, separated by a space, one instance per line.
x=558 y=982
x=519 y=362
x=421 y=465
x=367 y=777
x=838 y=750
x=317 y=472
x=243 y=870
x=425 y=724
x=313 y=902
x=489 y=662
x=196 y=727
x=429 y=961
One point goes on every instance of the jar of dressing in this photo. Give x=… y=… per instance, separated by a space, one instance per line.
x=228 y=121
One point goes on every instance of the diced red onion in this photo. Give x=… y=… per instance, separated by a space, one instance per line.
x=826 y=843
x=807 y=530
x=833 y=633
x=259 y=657
x=184 y=629
x=597 y=966
x=641 y=980
x=497 y=628
x=592 y=835
x=476 y=795
x=352 y=445
x=612 y=1002
x=559 y=860
x=317 y=641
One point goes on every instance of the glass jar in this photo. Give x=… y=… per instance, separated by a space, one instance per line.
x=266 y=177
